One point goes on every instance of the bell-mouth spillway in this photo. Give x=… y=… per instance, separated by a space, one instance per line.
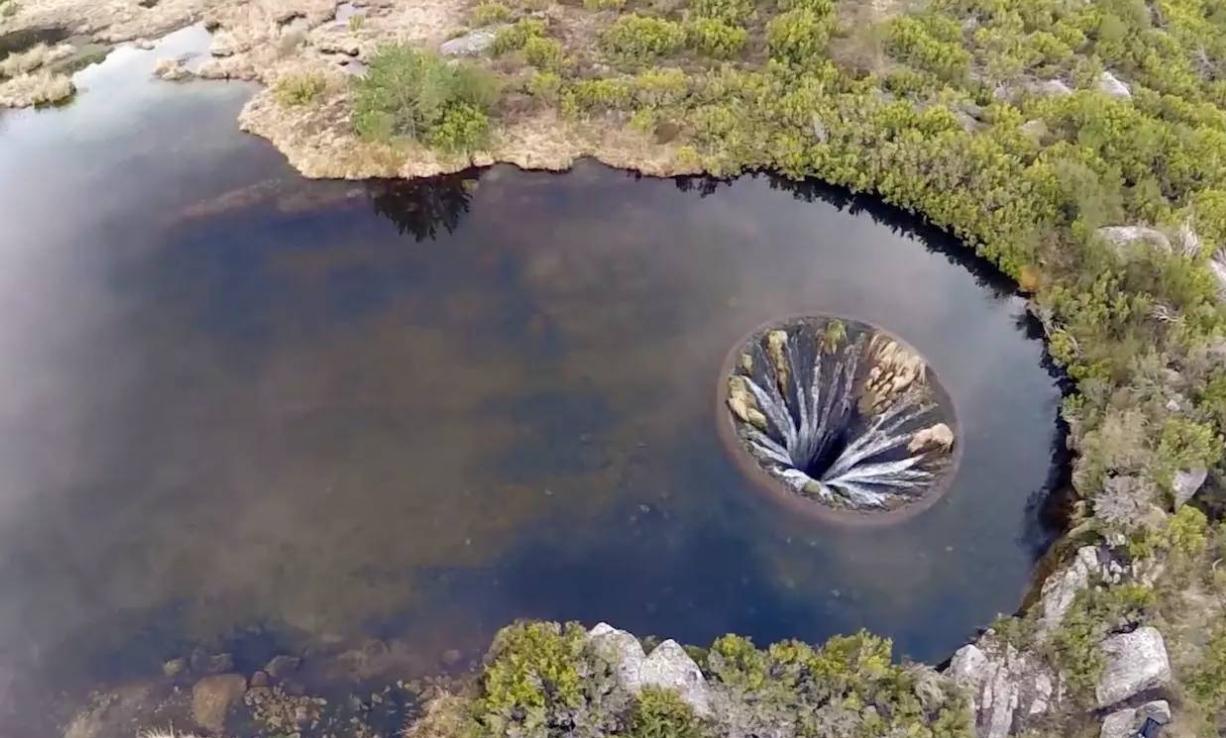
x=838 y=419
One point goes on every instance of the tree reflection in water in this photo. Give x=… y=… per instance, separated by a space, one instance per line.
x=419 y=207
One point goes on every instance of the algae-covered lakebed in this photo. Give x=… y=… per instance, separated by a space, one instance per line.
x=239 y=402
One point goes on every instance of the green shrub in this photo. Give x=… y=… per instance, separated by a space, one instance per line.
x=596 y=95
x=731 y=12
x=1208 y=682
x=715 y=38
x=489 y=12
x=514 y=37
x=798 y=37
x=1184 y=443
x=463 y=127
x=641 y=38
x=544 y=53
x=412 y=94
x=299 y=89
x=661 y=713
x=545 y=86
x=660 y=87
x=931 y=44
x=1187 y=532
x=530 y=674
x=1074 y=646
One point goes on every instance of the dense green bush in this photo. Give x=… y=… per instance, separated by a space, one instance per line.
x=544 y=53
x=932 y=44
x=411 y=94
x=643 y=38
x=715 y=38
x=659 y=713
x=731 y=12
x=798 y=36
x=531 y=676
x=515 y=36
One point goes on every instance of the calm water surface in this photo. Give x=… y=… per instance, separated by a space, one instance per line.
x=239 y=402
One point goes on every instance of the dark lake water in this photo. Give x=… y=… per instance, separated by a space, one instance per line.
x=236 y=402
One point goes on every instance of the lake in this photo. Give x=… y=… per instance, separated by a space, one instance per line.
x=254 y=412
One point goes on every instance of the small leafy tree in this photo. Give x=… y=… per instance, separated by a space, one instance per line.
x=411 y=94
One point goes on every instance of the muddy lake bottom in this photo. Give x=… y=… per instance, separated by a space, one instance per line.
x=252 y=413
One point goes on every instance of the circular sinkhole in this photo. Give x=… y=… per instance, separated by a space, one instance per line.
x=840 y=416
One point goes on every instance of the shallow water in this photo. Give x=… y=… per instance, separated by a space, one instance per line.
x=244 y=408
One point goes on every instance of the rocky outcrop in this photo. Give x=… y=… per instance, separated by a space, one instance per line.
x=1187 y=483
x=1125 y=240
x=1111 y=85
x=1136 y=662
x=212 y=698
x=1061 y=588
x=470 y=44
x=1128 y=722
x=1007 y=688
x=668 y=666
x=937 y=437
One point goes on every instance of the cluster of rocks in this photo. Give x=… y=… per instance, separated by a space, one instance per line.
x=668 y=666
x=218 y=687
x=1011 y=690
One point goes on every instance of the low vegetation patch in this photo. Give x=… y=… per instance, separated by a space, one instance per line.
x=300 y=89
x=488 y=13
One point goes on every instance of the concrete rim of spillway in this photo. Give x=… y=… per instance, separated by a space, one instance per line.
x=771 y=488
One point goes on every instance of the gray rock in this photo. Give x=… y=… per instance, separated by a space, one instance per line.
x=1189 y=240
x=260 y=679
x=1035 y=130
x=470 y=44
x=224 y=44
x=1110 y=84
x=1006 y=688
x=1124 y=240
x=1060 y=589
x=668 y=666
x=279 y=667
x=1187 y=483
x=1053 y=87
x=1127 y=722
x=1136 y=661
x=212 y=698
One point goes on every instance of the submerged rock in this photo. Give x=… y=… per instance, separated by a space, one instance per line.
x=212 y=698
x=1136 y=662
x=668 y=666
x=282 y=666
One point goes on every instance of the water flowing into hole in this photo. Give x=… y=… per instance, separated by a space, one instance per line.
x=841 y=414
